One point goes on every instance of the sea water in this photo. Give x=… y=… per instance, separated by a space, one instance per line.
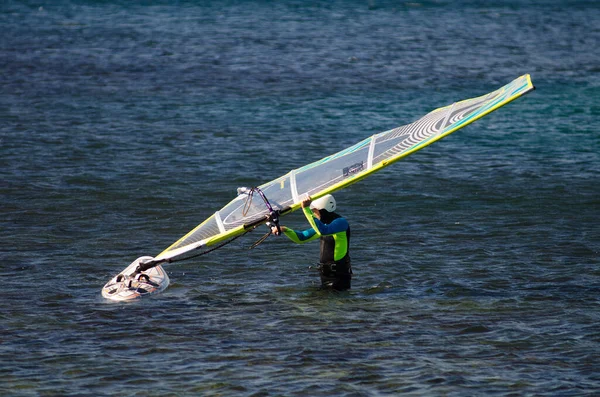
x=123 y=125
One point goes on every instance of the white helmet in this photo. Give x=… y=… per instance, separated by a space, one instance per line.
x=326 y=202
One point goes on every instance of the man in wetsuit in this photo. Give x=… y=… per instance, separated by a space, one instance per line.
x=334 y=232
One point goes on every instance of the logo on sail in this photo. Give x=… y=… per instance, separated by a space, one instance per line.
x=353 y=169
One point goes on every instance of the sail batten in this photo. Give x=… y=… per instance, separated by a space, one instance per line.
x=219 y=222
x=293 y=187
x=344 y=168
x=371 y=151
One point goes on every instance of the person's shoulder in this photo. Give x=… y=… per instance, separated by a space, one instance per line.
x=341 y=219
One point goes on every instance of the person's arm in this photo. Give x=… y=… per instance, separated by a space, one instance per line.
x=300 y=237
x=338 y=225
x=317 y=229
x=297 y=237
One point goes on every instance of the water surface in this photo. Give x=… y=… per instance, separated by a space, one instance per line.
x=124 y=124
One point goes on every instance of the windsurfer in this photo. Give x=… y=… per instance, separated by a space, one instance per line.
x=334 y=233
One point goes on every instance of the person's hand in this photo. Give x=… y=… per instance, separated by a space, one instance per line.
x=306 y=202
x=275 y=231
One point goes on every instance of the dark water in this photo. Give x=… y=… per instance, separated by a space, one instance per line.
x=125 y=124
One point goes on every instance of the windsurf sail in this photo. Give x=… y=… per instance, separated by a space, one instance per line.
x=284 y=194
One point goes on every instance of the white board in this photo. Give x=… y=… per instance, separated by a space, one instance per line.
x=129 y=285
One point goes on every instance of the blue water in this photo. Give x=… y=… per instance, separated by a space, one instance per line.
x=125 y=124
